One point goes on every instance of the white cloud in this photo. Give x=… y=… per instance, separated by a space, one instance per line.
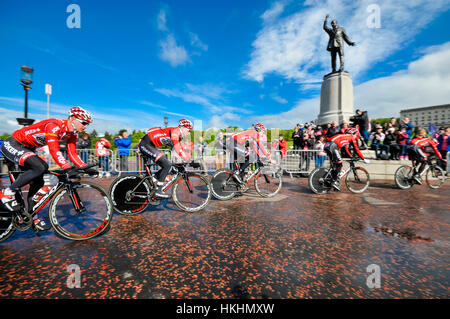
x=425 y=82
x=222 y=121
x=161 y=20
x=196 y=42
x=212 y=98
x=294 y=46
x=172 y=52
x=275 y=10
x=278 y=98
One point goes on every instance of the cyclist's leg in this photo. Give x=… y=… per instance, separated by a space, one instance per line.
x=35 y=168
x=35 y=186
x=336 y=159
x=150 y=151
x=421 y=157
x=239 y=154
x=33 y=165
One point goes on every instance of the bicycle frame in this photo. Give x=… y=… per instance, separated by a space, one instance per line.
x=342 y=174
x=77 y=204
x=148 y=176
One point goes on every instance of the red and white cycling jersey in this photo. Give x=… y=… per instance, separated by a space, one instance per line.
x=252 y=136
x=50 y=132
x=170 y=136
x=344 y=140
x=427 y=144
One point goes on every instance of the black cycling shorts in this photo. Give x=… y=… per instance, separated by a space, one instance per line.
x=332 y=150
x=149 y=150
x=15 y=152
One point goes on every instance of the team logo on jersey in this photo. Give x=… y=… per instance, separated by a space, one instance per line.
x=40 y=138
x=60 y=157
x=166 y=141
x=32 y=131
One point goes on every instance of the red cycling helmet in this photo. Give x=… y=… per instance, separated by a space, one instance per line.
x=353 y=131
x=81 y=114
x=259 y=127
x=186 y=124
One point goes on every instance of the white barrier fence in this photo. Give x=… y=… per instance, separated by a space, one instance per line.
x=294 y=162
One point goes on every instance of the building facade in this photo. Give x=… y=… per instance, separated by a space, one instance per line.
x=422 y=117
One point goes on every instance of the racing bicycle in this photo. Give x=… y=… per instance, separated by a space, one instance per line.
x=357 y=179
x=131 y=194
x=434 y=175
x=78 y=210
x=267 y=180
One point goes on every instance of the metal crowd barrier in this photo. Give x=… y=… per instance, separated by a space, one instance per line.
x=299 y=161
x=294 y=162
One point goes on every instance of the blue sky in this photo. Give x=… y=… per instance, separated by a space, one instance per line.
x=218 y=63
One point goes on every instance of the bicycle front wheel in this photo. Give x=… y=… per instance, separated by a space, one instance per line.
x=357 y=180
x=82 y=214
x=317 y=181
x=191 y=193
x=129 y=194
x=435 y=176
x=403 y=177
x=268 y=182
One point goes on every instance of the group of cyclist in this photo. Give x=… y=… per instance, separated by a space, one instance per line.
x=20 y=149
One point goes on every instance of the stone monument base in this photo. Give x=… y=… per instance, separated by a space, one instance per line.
x=336 y=98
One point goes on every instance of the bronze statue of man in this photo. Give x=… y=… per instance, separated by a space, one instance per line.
x=336 y=43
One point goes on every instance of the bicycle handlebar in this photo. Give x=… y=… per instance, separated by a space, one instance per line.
x=73 y=170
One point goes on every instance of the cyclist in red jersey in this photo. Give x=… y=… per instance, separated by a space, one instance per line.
x=419 y=149
x=157 y=137
x=335 y=144
x=21 y=146
x=256 y=138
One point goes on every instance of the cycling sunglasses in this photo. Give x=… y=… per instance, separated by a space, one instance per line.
x=85 y=123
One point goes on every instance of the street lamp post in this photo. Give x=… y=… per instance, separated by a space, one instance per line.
x=166 y=121
x=26 y=79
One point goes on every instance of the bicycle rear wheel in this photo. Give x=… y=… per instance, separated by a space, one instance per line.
x=268 y=182
x=357 y=180
x=193 y=193
x=434 y=176
x=80 y=224
x=6 y=225
x=403 y=177
x=317 y=181
x=124 y=199
x=223 y=186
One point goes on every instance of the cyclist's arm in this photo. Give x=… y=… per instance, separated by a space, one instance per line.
x=262 y=148
x=51 y=137
x=437 y=151
x=355 y=145
x=177 y=146
x=348 y=151
x=72 y=151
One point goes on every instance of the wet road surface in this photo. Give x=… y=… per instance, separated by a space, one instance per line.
x=296 y=245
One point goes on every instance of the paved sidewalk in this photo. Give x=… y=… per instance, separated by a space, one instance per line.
x=296 y=245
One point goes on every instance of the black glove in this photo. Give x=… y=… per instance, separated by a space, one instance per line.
x=71 y=172
x=194 y=164
x=91 y=171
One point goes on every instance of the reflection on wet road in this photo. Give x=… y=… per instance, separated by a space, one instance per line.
x=296 y=245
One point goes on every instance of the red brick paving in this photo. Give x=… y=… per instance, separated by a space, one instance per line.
x=296 y=245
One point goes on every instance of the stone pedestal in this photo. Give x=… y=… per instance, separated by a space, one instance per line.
x=336 y=98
